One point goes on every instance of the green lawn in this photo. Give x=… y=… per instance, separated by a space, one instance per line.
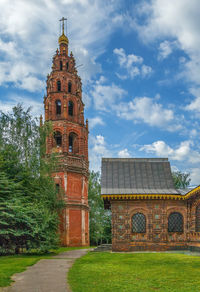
x=135 y=272
x=10 y=265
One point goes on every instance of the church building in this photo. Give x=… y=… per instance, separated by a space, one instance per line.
x=148 y=212
x=65 y=109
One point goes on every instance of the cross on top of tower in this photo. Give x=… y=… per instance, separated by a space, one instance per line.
x=63 y=39
x=63 y=24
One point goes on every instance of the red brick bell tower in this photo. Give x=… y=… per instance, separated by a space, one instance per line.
x=65 y=108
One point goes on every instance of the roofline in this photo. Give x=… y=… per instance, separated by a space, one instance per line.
x=192 y=192
x=152 y=196
x=143 y=196
x=135 y=159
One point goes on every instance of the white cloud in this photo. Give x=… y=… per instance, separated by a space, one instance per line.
x=141 y=109
x=93 y=122
x=86 y=99
x=6 y=105
x=124 y=153
x=178 y=20
x=183 y=152
x=127 y=60
x=184 y=155
x=98 y=149
x=105 y=97
x=165 y=49
x=149 y=111
x=132 y=64
x=146 y=70
x=194 y=105
x=88 y=65
x=21 y=74
x=195 y=175
x=8 y=48
x=29 y=32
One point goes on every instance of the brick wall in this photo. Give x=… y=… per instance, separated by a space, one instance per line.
x=71 y=171
x=156 y=236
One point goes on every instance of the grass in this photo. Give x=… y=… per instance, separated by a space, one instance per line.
x=135 y=272
x=10 y=265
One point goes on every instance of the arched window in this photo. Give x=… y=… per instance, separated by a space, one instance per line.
x=197 y=227
x=73 y=143
x=69 y=87
x=67 y=65
x=58 y=85
x=70 y=108
x=61 y=65
x=70 y=143
x=58 y=139
x=58 y=107
x=139 y=223
x=175 y=222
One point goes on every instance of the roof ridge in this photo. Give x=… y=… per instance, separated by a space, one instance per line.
x=135 y=159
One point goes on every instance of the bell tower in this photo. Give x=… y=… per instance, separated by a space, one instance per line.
x=65 y=109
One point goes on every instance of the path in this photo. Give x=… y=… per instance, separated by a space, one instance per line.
x=47 y=275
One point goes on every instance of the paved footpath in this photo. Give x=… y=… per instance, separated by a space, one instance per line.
x=47 y=275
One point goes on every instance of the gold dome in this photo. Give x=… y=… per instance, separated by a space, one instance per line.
x=63 y=39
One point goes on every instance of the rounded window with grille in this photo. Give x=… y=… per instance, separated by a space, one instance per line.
x=175 y=222
x=139 y=223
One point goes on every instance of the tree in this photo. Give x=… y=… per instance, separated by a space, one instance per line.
x=100 y=219
x=29 y=203
x=181 y=180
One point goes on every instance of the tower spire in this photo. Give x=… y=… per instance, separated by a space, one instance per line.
x=63 y=24
x=63 y=39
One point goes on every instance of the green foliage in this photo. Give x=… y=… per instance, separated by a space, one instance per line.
x=140 y=272
x=29 y=205
x=181 y=180
x=100 y=219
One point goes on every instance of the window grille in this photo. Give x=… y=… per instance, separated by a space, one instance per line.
x=139 y=223
x=198 y=219
x=175 y=222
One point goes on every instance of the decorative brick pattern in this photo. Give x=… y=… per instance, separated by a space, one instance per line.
x=156 y=236
x=64 y=90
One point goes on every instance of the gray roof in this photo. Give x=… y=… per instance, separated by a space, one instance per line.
x=185 y=191
x=136 y=176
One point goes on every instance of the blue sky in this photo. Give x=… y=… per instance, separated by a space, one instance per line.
x=140 y=72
